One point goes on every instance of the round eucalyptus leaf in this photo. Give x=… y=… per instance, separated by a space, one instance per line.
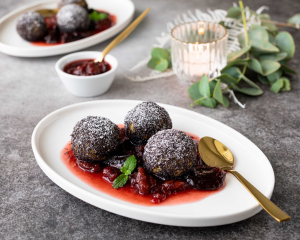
x=274 y=56
x=277 y=86
x=258 y=33
x=273 y=77
x=254 y=65
x=285 y=43
x=264 y=47
x=294 y=19
x=269 y=66
x=162 y=65
x=234 y=12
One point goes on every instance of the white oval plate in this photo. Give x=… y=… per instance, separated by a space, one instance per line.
x=12 y=44
x=234 y=203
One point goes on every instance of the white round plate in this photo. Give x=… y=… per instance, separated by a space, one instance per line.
x=12 y=44
x=233 y=203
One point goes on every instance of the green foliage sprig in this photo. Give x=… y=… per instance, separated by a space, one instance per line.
x=96 y=16
x=160 y=59
x=264 y=51
x=126 y=170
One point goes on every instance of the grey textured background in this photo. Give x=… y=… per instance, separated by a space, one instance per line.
x=33 y=207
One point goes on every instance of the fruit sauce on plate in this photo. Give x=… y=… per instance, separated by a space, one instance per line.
x=142 y=188
x=86 y=67
x=55 y=36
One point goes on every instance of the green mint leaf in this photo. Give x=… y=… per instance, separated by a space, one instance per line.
x=96 y=16
x=129 y=165
x=120 y=181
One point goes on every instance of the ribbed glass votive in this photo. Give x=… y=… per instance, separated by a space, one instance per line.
x=198 y=48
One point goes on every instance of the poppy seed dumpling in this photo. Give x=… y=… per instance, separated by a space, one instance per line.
x=94 y=138
x=170 y=154
x=81 y=3
x=144 y=120
x=73 y=17
x=31 y=26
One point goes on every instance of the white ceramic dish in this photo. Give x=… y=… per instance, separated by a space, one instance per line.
x=86 y=86
x=12 y=44
x=234 y=203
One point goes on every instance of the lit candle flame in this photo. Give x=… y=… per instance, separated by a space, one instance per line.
x=201 y=31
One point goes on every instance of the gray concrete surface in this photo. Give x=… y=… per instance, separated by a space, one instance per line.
x=33 y=207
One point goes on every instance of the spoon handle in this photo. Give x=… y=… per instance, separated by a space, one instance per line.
x=122 y=35
x=269 y=206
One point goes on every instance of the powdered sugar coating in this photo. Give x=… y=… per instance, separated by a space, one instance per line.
x=72 y=17
x=170 y=154
x=93 y=138
x=82 y=3
x=31 y=26
x=145 y=120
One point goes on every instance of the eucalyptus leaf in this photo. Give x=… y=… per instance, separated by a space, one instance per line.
x=269 y=66
x=294 y=19
x=208 y=102
x=263 y=79
x=204 y=88
x=264 y=47
x=158 y=54
x=194 y=91
x=249 y=91
x=271 y=38
x=285 y=43
x=270 y=27
x=229 y=80
x=237 y=62
x=264 y=16
x=254 y=65
x=286 y=69
x=234 y=12
x=234 y=55
x=286 y=84
x=212 y=85
x=273 y=77
x=258 y=34
x=252 y=84
x=218 y=95
x=277 y=86
x=241 y=39
x=232 y=71
x=162 y=65
x=274 y=56
x=151 y=64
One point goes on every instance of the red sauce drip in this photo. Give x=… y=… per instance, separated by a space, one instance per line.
x=86 y=67
x=125 y=193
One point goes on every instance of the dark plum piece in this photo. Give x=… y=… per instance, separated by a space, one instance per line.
x=142 y=181
x=206 y=178
x=89 y=166
x=116 y=161
x=110 y=173
x=31 y=26
x=144 y=120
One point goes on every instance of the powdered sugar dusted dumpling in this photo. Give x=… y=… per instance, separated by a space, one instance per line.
x=144 y=121
x=31 y=26
x=93 y=138
x=73 y=17
x=170 y=154
x=81 y=3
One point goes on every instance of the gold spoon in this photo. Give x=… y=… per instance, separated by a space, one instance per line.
x=122 y=35
x=216 y=154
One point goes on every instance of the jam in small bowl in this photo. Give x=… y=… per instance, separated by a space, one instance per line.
x=83 y=77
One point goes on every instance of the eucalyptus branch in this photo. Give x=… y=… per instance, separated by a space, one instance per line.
x=246 y=35
x=280 y=24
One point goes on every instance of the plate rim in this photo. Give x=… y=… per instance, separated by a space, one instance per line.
x=62 y=48
x=236 y=217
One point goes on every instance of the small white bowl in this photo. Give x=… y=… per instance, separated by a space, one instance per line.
x=86 y=86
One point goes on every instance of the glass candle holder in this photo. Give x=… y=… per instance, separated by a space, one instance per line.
x=198 y=48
